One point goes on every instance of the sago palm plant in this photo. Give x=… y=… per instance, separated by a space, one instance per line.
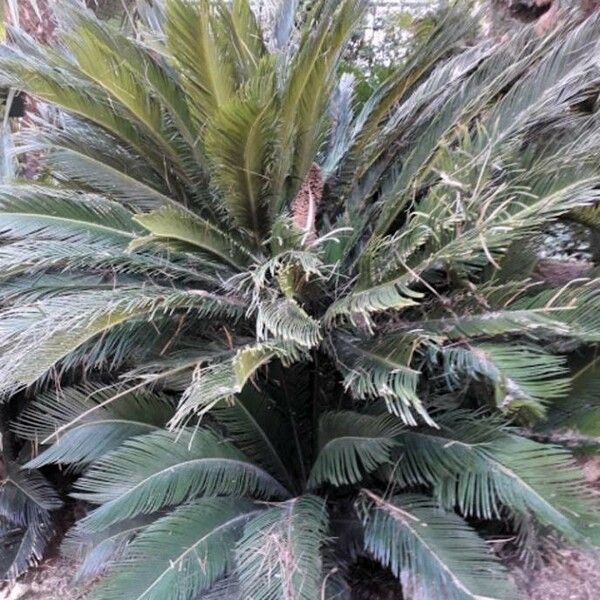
x=266 y=333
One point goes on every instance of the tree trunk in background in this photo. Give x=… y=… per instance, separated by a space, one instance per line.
x=107 y=9
x=504 y=13
x=40 y=25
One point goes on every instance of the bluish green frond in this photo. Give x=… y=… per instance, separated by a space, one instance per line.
x=44 y=212
x=352 y=445
x=96 y=552
x=279 y=555
x=285 y=319
x=360 y=304
x=580 y=306
x=475 y=465
x=539 y=320
x=380 y=369
x=26 y=501
x=84 y=423
x=546 y=90
x=524 y=378
x=163 y=469
x=69 y=320
x=254 y=422
x=398 y=96
x=440 y=555
x=179 y=555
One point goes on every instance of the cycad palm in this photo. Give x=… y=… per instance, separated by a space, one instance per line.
x=311 y=319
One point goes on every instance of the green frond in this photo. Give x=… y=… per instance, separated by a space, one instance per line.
x=524 y=378
x=580 y=409
x=398 y=92
x=255 y=423
x=560 y=76
x=361 y=303
x=242 y=37
x=163 y=469
x=96 y=552
x=238 y=141
x=279 y=555
x=352 y=445
x=174 y=224
x=437 y=552
x=577 y=306
x=285 y=319
x=31 y=259
x=50 y=76
x=221 y=380
x=305 y=91
x=26 y=493
x=493 y=74
x=129 y=77
x=84 y=423
x=380 y=368
x=179 y=555
x=206 y=75
x=475 y=465
x=70 y=320
x=28 y=211
x=538 y=320
x=26 y=501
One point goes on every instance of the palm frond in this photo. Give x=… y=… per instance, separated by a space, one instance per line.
x=162 y=469
x=97 y=552
x=70 y=320
x=436 y=550
x=400 y=91
x=25 y=212
x=285 y=319
x=352 y=445
x=84 y=423
x=219 y=381
x=27 y=500
x=238 y=141
x=381 y=369
x=279 y=554
x=524 y=378
x=173 y=224
x=255 y=423
x=283 y=25
x=207 y=77
x=196 y=545
x=477 y=466
x=580 y=409
x=242 y=38
x=311 y=69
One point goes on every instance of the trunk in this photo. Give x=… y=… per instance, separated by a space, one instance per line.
x=504 y=15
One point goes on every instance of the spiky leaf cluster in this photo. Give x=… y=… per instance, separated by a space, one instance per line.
x=298 y=316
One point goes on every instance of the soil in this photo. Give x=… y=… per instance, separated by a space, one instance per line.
x=52 y=580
